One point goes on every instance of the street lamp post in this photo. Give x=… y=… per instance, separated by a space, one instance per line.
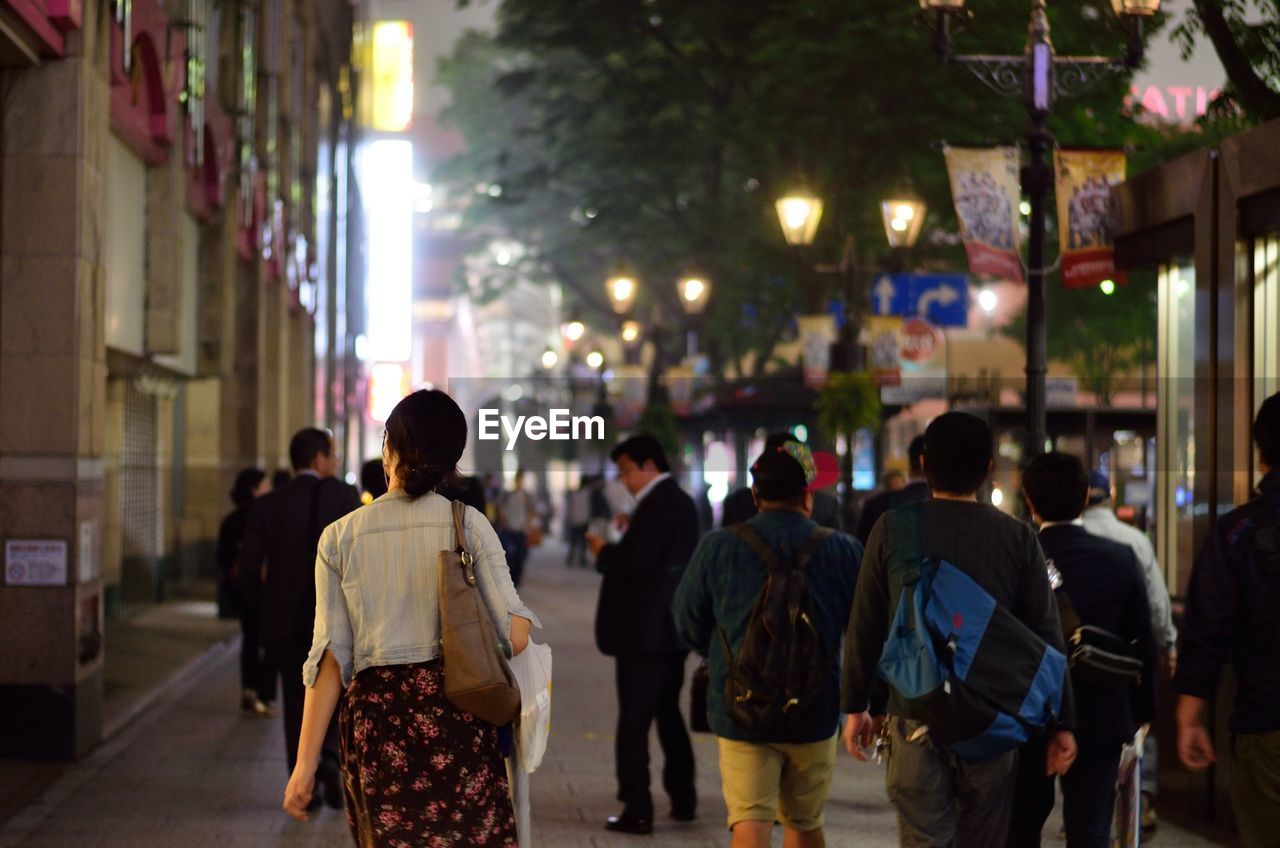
x=1038 y=76
x=694 y=290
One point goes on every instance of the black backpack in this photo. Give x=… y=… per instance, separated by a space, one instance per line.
x=776 y=683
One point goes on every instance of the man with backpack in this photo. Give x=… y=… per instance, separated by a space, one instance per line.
x=1233 y=616
x=1102 y=603
x=765 y=602
x=952 y=744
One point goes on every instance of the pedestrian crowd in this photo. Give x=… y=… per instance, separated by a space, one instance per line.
x=993 y=664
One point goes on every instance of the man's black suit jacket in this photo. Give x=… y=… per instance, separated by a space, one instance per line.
x=641 y=573
x=280 y=535
x=1107 y=589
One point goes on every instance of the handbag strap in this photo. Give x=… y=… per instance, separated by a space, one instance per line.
x=460 y=548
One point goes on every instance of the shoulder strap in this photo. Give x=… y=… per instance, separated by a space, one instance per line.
x=811 y=545
x=757 y=544
x=460 y=535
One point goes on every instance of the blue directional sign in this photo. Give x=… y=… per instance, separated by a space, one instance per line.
x=941 y=299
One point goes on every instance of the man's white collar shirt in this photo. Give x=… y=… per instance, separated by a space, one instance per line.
x=640 y=495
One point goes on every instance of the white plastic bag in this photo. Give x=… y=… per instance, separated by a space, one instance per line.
x=532 y=668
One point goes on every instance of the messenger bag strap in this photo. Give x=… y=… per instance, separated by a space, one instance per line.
x=906 y=552
x=757 y=544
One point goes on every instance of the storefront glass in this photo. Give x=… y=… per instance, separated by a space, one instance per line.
x=1175 y=487
x=1266 y=322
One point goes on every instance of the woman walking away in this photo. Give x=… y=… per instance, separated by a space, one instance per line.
x=417 y=770
x=257 y=678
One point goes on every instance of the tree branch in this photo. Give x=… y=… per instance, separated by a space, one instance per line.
x=1255 y=94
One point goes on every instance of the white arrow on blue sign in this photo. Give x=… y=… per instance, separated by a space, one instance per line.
x=941 y=299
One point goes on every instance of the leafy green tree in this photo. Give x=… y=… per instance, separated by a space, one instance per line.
x=660 y=132
x=1246 y=36
x=1104 y=338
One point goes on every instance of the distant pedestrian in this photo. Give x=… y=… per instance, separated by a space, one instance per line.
x=280 y=478
x=739 y=506
x=516 y=513
x=1100 y=520
x=1107 y=590
x=915 y=490
x=257 y=677
x=373 y=481
x=940 y=798
x=634 y=626
x=468 y=490
x=579 y=519
x=1233 y=616
x=280 y=540
x=893 y=481
x=418 y=770
x=771 y=773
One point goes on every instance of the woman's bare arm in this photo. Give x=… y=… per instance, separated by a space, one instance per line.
x=317 y=710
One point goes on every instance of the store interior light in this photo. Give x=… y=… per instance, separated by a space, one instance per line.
x=595 y=359
x=988 y=300
x=549 y=359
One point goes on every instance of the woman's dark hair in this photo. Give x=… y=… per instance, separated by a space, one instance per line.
x=957 y=453
x=246 y=481
x=426 y=433
x=1266 y=431
x=1057 y=485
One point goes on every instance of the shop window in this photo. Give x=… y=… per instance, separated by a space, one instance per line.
x=1175 y=445
x=1266 y=323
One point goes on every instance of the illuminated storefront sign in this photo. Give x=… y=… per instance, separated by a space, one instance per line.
x=391 y=76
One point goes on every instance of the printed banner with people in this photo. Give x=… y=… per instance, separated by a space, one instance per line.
x=984 y=185
x=1084 y=180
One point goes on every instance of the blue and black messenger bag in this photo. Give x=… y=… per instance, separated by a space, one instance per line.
x=980 y=679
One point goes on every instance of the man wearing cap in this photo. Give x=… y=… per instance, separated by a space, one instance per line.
x=740 y=505
x=765 y=780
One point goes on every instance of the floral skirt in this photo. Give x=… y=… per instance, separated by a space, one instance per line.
x=417 y=770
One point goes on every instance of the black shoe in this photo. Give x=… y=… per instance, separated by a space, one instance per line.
x=329 y=778
x=684 y=814
x=630 y=823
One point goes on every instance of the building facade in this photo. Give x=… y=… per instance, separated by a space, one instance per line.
x=173 y=297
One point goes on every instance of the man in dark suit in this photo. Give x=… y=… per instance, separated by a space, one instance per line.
x=1107 y=589
x=916 y=490
x=279 y=549
x=634 y=624
x=739 y=506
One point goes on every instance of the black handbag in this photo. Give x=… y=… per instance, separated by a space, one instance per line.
x=698 y=699
x=1095 y=656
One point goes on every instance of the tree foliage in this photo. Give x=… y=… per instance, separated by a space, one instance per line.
x=660 y=132
x=1246 y=36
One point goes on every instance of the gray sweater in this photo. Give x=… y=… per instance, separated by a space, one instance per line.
x=1001 y=553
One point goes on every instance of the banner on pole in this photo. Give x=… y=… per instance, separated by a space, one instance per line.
x=817 y=332
x=985 y=188
x=1083 y=183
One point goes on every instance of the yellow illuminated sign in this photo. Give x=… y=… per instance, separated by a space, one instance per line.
x=391 y=76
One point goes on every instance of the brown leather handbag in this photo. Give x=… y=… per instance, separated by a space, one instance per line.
x=477 y=678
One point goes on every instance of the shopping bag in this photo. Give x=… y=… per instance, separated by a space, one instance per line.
x=1128 y=817
x=532 y=670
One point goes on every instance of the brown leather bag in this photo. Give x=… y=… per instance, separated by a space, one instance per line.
x=477 y=678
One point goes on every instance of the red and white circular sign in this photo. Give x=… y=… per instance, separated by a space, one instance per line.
x=918 y=341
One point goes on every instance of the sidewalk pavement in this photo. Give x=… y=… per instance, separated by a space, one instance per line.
x=193 y=770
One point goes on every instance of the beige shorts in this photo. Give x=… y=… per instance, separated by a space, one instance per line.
x=784 y=782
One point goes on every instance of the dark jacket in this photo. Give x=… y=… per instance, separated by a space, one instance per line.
x=281 y=534
x=739 y=507
x=1107 y=589
x=641 y=572
x=1000 y=553
x=878 y=504
x=720 y=590
x=1232 y=617
x=234 y=594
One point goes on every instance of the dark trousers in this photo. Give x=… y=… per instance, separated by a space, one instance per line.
x=256 y=672
x=515 y=545
x=577 y=545
x=289 y=658
x=1088 y=796
x=649 y=690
